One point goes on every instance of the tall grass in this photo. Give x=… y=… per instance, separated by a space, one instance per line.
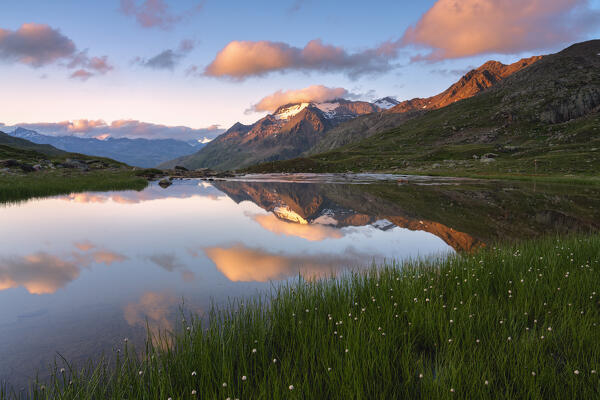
x=511 y=323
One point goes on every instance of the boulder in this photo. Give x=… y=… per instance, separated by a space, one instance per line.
x=165 y=183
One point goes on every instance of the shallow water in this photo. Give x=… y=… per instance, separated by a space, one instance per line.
x=80 y=273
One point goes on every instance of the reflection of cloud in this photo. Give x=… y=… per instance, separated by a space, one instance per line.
x=99 y=256
x=39 y=273
x=152 y=192
x=84 y=246
x=153 y=307
x=243 y=264
x=312 y=232
x=107 y=257
x=42 y=273
x=169 y=262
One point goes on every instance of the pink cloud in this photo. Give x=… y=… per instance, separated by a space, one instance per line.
x=122 y=128
x=35 y=45
x=155 y=13
x=316 y=93
x=81 y=74
x=241 y=59
x=454 y=29
x=38 y=45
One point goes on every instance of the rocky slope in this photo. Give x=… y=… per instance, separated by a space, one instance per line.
x=289 y=131
x=474 y=82
x=543 y=118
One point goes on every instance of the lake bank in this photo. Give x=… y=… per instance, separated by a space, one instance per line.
x=519 y=322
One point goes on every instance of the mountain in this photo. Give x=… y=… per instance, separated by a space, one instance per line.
x=471 y=84
x=289 y=131
x=543 y=118
x=23 y=144
x=137 y=152
x=386 y=103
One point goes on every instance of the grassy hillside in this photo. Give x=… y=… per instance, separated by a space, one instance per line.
x=542 y=119
x=22 y=144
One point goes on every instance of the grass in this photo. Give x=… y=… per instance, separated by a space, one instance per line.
x=520 y=321
x=50 y=183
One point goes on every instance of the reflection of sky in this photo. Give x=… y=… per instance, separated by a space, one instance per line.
x=62 y=257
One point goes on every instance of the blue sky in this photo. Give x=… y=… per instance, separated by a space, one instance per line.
x=170 y=96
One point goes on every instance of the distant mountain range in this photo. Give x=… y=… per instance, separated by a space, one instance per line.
x=136 y=152
x=311 y=128
x=288 y=132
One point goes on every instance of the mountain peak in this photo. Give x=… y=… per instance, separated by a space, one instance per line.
x=386 y=102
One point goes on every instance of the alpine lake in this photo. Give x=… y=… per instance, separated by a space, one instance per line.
x=81 y=273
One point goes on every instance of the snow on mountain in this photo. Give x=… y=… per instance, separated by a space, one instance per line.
x=288 y=111
x=386 y=103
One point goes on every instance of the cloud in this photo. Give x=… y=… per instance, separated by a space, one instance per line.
x=167 y=59
x=39 y=273
x=242 y=59
x=155 y=13
x=296 y=6
x=243 y=264
x=454 y=29
x=81 y=74
x=316 y=93
x=35 y=45
x=38 y=45
x=122 y=128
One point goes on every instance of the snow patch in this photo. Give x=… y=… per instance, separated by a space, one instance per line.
x=386 y=103
x=328 y=109
x=289 y=112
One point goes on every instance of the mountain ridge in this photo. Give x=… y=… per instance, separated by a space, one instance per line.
x=136 y=152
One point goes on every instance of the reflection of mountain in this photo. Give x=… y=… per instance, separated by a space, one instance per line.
x=464 y=216
x=317 y=208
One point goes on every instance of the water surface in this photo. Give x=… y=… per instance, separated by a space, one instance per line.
x=80 y=273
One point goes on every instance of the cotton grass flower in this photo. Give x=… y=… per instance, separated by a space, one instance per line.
x=194 y=392
x=291 y=387
x=224 y=384
x=194 y=373
x=244 y=377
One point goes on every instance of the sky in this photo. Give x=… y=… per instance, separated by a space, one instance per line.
x=191 y=68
